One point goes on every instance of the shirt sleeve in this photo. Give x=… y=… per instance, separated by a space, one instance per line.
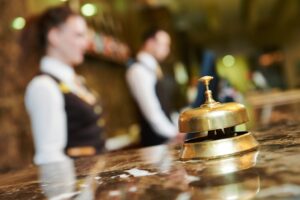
x=142 y=87
x=45 y=105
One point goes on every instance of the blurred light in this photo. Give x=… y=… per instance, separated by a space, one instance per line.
x=63 y=0
x=88 y=9
x=18 y=23
x=120 y=5
x=266 y=60
x=228 y=60
x=180 y=73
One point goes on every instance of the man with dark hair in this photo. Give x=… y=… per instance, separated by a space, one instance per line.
x=142 y=77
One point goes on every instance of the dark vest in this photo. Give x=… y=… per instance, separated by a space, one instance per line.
x=84 y=121
x=149 y=137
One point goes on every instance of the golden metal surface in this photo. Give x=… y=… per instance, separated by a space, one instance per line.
x=212 y=115
x=211 y=118
x=212 y=127
x=222 y=166
x=208 y=94
x=231 y=164
x=226 y=178
x=212 y=149
x=229 y=187
x=81 y=151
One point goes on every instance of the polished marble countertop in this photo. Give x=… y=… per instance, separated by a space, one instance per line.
x=271 y=172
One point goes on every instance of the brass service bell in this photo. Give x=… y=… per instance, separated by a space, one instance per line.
x=213 y=128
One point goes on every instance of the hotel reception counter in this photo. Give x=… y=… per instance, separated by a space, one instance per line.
x=271 y=172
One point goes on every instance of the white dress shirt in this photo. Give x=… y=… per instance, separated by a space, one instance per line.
x=46 y=107
x=142 y=78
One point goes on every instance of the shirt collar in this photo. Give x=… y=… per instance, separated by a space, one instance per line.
x=147 y=59
x=57 y=68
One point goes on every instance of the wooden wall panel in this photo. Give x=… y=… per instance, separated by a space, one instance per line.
x=15 y=141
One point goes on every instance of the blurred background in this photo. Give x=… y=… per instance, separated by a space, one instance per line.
x=252 y=47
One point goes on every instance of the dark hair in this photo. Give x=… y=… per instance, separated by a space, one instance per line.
x=34 y=36
x=150 y=33
x=53 y=17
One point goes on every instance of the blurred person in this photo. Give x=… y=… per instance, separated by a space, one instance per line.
x=222 y=90
x=208 y=68
x=142 y=77
x=268 y=72
x=65 y=116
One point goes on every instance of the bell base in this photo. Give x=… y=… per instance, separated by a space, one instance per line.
x=213 y=149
